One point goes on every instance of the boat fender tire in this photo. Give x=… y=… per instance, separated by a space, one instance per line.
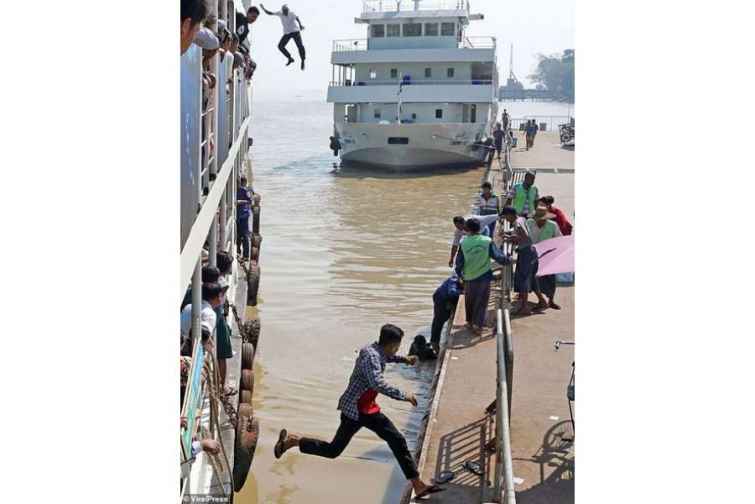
x=243 y=456
x=256 y=220
x=247 y=356
x=253 y=284
x=247 y=380
x=256 y=240
x=251 y=331
x=255 y=254
x=245 y=396
x=245 y=410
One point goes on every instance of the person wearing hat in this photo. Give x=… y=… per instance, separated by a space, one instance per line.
x=290 y=31
x=526 y=259
x=473 y=266
x=542 y=227
x=524 y=195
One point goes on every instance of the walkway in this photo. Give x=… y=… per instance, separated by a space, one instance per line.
x=458 y=427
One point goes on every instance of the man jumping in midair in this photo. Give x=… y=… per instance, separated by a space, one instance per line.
x=359 y=409
x=290 y=31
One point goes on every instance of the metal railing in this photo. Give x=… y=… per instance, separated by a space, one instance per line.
x=504 y=469
x=222 y=142
x=551 y=122
x=362 y=44
x=373 y=6
x=421 y=82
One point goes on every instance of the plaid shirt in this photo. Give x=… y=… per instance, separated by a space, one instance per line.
x=368 y=374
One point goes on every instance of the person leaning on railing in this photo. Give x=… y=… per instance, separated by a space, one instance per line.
x=193 y=12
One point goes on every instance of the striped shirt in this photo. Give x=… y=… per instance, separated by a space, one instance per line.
x=368 y=375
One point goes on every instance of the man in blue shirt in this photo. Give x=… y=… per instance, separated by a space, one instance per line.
x=444 y=304
x=244 y=198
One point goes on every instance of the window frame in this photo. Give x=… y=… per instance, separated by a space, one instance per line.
x=392 y=72
x=437 y=30
x=428 y=72
x=450 y=72
x=388 y=27
x=372 y=30
x=403 y=29
x=441 y=113
x=442 y=31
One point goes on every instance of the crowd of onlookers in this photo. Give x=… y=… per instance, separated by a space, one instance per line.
x=532 y=219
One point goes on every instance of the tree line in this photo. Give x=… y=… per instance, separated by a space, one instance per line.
x=556 y=74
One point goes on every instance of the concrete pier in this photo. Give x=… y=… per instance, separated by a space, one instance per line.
x=541 y=432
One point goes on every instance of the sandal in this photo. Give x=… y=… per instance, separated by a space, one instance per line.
x=554 y=305
x=429 y=490
x=280 y=445
x=473 y=467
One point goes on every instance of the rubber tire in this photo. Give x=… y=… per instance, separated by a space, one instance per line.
x=256 y=220
x=245 y=410
x=253 y=285
x=247 y=356
x=256 y=240
x=245 y=396
x=247 y=380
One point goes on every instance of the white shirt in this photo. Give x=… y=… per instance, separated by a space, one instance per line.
x=288 y=22
x=485 y=220
x=207 y=317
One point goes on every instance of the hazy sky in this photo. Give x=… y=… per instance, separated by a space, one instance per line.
x=533 y=26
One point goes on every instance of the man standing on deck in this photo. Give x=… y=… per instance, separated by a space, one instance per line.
x=243 y=22
x=244 y=199
x=359 y=409
x=445 y=298
x=460 y=232
x=290 y=31
x=473 y=266
x=523 y=197
x=498 y=136
x=505 y=120
x=541 y=227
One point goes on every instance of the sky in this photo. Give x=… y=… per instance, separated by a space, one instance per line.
x=534 y=26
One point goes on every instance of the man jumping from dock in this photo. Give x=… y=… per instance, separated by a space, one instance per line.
x=359 y=409
x=290 y=31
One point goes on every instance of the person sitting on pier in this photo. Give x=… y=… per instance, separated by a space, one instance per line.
x=560 y=217
x=461 y=232
x=498 y=136
x=524 y=195
x=244 y=201
x=290 y=31
x=445 y=298
x=359 y=409
x=541 y=227
x=473 y=266
x=193 y=12
x=526 y=260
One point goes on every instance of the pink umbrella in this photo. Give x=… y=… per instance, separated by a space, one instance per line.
x=556 y=255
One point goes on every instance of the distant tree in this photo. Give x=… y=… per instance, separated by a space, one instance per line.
x=556 y=74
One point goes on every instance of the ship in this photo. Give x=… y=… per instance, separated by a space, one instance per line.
x=214 y=159
x=418 y=92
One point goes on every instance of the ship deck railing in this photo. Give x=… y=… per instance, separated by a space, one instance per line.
x=208 y=213
x=376 y=6
x=422 y=82
x=362 y=44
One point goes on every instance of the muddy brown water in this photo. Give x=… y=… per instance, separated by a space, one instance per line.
x=342 y=254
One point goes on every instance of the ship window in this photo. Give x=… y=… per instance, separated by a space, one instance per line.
x=398 y=140
x=414 y=117
x=447 y=29
x=450 y=73
x=431 y=29
x=412 y=29
x=373 y=73
x=428 y=73
x=378 y=113
x=394 y=73
x=439 y=113
x=378 y=30
x=394 y=30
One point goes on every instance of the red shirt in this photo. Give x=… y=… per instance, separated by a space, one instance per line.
x=563 y=223
x=366 y=403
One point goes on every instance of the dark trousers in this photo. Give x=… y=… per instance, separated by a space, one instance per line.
x=441 y=313
x=545 y=285
x=242 y=234
x=299 y=45
x=476 y=297
x=377 y=423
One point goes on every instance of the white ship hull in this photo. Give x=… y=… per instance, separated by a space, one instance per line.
x=429 y=146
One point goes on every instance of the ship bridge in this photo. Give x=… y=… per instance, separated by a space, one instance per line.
x=421 y=46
